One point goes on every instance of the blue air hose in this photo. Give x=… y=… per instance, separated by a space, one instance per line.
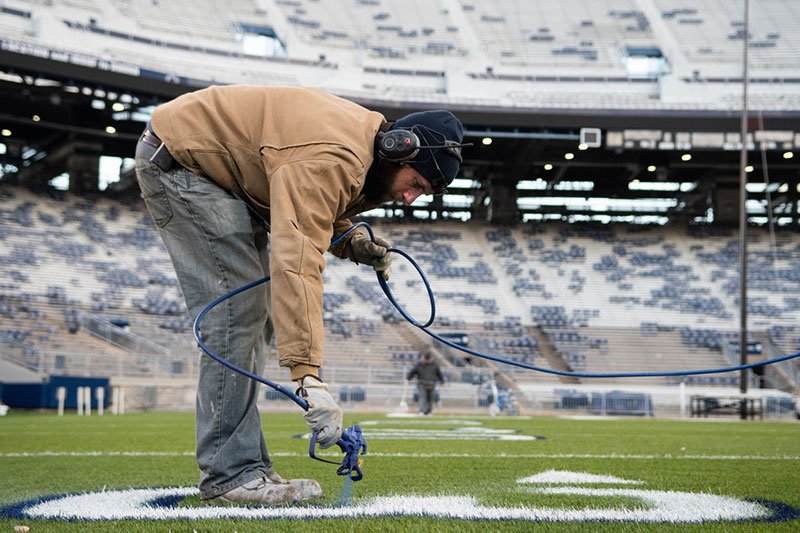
x=424 y=327
x=352 y=442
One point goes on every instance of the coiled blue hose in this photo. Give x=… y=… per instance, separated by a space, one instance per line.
x=424 y=327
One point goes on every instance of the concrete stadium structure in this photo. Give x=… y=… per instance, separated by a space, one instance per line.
x=606 y=164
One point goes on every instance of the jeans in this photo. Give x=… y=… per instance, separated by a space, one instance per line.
x=427 y=397
x=215 y=248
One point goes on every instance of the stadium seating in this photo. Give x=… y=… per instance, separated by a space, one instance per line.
x=87 y=286
x=508 y=53
x=581 y=298
x=381 y=29
x=543 y=34
x=712 y=32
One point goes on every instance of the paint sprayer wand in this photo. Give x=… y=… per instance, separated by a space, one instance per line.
x=351 y=443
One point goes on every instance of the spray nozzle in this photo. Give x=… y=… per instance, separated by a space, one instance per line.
x=352 y=444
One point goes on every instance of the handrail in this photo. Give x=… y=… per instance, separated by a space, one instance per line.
x=102 y=328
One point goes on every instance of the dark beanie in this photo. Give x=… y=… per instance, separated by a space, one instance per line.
x=433 y=128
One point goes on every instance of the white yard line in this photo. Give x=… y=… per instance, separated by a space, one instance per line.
x=431 y=455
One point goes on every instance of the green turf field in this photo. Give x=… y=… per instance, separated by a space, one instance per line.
x=437 y=466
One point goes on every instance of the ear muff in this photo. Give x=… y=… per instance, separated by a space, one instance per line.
x=403 y=145
x=398 y=145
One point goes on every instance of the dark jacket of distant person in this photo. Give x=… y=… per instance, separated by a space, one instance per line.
x=427 y=373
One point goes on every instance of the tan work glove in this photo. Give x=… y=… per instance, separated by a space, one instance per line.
x=323 y=415
x=371 y=253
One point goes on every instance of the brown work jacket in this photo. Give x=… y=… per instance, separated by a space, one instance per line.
x=299 y=156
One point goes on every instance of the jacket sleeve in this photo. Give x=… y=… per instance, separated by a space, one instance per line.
x=343 y=250
x=304 y=199
x=412 y=373
x=439 y=374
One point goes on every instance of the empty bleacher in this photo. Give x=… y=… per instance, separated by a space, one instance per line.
x=514 y=53
x=580 y=298
x=558 y=35
x=378 y=29
x=712 y=32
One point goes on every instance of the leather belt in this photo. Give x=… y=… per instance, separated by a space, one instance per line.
x=150 y=137
x=161 y=158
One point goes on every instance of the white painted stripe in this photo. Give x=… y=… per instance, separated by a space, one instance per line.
x=96 y=454
x=433 y=455
x=468 y=431
x=595 y=456
x=466 y=417
x=464 y=433
x=443 y=436
x=669 y=507
x=420 y=422
x=589 y=417
x=575 y=478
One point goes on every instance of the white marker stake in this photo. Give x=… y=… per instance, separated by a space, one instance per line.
x=122 y=400
x=403 y=404
x=61 y=396
x=87 y=399
x=100 y=394
x=115 y=401
x=79 y=404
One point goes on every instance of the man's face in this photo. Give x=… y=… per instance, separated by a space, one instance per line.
x=407 y=186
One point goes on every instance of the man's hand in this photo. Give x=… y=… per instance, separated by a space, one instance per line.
x=323 y=415
x=371 y=253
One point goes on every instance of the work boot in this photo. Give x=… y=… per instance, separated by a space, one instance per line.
x=272 y=489
x=309 y=488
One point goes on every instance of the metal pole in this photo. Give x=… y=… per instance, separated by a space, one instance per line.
x=743 y=223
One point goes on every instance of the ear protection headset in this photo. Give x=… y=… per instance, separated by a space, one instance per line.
x=401 y=145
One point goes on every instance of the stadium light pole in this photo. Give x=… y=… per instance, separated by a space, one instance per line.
x=743 y=225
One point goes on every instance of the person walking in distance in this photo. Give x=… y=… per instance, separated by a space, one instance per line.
x=428 y=374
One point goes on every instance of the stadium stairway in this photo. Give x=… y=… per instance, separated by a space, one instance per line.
x=553 y=357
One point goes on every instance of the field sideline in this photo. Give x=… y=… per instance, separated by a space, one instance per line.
x=439 y=473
